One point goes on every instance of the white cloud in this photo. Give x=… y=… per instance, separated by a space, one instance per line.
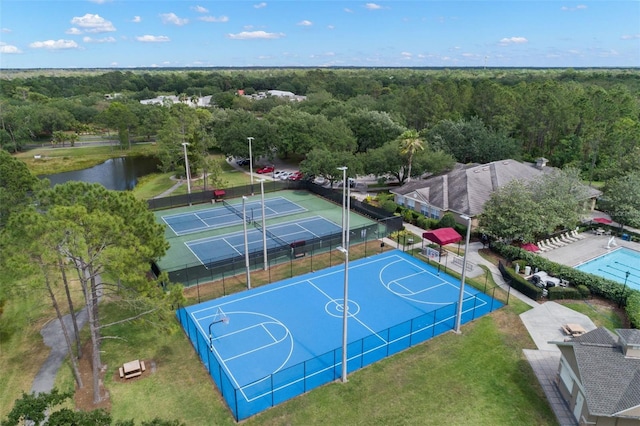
x=331 y=27
x=54 y=44
x=136 y=19
x=214 y=18
x=305 y=23
x=7 y=48
x=260 y=5
x=346 y=9
x=5 y=30
x=152 y=39
x=406 y=55
x=573 y=9
x=199 y=9
x=100 y=1
x=513 y=40
x=172 y=18
x=73 y=31
x=631 y=36
x=372 y=6
x=91 y=23
x=99 y=40
x=252 y=35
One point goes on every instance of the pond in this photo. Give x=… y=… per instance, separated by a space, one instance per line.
x=119 y=174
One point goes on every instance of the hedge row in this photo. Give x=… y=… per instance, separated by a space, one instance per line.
x=598 y=286
x=519 y=283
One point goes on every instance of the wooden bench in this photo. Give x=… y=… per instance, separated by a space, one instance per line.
x=573 y=330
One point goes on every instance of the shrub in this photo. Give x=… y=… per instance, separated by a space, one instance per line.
x=389 y=206
x=584 y=291
x=557 y=293
x=447 y=221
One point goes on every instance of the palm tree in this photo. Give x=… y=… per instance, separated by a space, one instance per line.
x=410 y=142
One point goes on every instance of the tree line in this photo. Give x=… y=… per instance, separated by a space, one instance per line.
x=587 y=119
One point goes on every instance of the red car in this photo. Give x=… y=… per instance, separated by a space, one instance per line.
x=296 y=176
x=267 y=169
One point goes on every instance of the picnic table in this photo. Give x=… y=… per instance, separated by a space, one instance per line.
x=131 y=369
x=574 y=329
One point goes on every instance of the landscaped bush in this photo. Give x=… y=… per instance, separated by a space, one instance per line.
x=584 y=291
x=608 y=289
x=559 y=293
x=519 y=283
x=633 y=308
x=447 y=221
x=389 y=205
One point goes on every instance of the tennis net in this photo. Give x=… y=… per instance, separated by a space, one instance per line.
x=233 y=210
x=272 y=235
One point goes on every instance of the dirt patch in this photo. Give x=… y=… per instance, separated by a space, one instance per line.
x=84 y=397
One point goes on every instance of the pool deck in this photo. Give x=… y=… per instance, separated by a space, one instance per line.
x=588 y=248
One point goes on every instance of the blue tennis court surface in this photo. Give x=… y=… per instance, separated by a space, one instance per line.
x=219 y=216
x=212 y=249
x=284 y=339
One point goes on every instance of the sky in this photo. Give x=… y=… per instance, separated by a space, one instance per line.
x=318 y=33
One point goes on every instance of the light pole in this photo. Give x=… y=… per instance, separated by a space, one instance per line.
x=246 y=243
x=345 y=249
x=344 y=200
x=186 y=167
x=264 y=226
x=624 y=288
x=250 y=139
x=464 y=272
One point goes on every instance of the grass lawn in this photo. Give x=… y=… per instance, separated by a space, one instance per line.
x=479 y=377
x=58 y=160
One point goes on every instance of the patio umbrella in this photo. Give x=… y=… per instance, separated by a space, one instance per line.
x=530 y=247
x=602 y=220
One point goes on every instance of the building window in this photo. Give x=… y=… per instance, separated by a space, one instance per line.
x=400 y=200
x=424 y=209
x=411 y=203
x=435 y=213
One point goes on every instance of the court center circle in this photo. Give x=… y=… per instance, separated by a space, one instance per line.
x=335 y=308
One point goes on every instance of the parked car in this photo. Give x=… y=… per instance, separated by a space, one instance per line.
x=285 y=175
x=242 y=162
x=277 y=173
x=297 y=175
x=266 y=169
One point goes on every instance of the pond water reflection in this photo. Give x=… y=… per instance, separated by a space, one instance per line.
x=117 y=173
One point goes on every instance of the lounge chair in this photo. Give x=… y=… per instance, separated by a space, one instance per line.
x=567 y=239
x=542 y=247
x=558 y=242
x=577 y=235
x=551 y=244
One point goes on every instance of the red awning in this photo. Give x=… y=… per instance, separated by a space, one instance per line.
x=602 y=220
x=219 y=192
x=442 y=236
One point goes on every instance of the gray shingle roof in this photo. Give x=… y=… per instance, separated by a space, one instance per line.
x=611 y=381
x=465 y=190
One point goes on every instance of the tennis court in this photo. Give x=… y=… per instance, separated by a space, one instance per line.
x=217 y=217
x=270 y=344
x=212 y=249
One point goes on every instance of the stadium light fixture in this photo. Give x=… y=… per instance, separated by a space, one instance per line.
x=246 y=242
x=464 y=272
x=264 y=225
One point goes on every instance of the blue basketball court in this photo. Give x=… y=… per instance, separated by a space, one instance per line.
x=220 y=217
x=269 y=344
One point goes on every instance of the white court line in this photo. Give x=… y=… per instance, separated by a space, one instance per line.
x=260 y=293
x=200 y=219
x=331 y=299
x=231 y=245
x=224 y=364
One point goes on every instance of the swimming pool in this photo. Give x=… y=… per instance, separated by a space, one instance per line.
x=620 y=265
